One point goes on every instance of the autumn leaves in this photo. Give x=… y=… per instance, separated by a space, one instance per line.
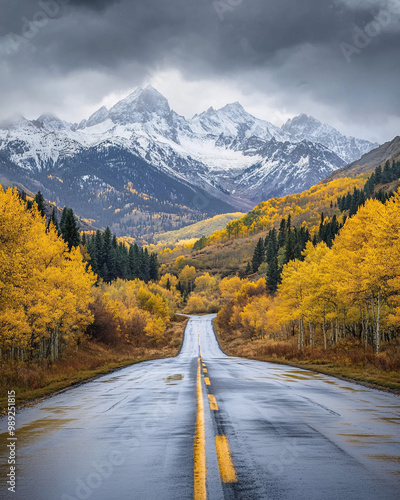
x=45 y=289
x=349 y=291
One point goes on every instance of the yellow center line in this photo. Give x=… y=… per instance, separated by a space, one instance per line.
x=213 y=402
x=207 y=381
x=204 y=370
x=200 y=466
x=198 y=335
x=226 y=468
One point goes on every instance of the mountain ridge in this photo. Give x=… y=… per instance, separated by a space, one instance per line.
x=227 y=158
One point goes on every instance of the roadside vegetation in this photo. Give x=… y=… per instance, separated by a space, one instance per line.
x=59 y=321
x=326 y=296
x=310 y=279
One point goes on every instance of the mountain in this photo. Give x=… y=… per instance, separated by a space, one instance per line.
x=368 y=162
x=305 y=127
x=141 y=157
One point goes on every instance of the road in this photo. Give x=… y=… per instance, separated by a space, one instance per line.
x=219 y=427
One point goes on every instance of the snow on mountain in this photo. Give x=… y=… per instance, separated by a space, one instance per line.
x=228 y=153
x=304 y=162
x=305 y=127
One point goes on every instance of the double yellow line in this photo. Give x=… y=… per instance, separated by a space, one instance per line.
x=225 y=464
x=200 y=466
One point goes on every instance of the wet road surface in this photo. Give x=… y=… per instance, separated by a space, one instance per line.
x=246 y=429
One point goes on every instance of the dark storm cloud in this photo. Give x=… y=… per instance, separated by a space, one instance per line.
x=302 y=50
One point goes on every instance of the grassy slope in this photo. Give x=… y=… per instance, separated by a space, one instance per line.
x=91 y=360
x=195 y=231
x=227 y=256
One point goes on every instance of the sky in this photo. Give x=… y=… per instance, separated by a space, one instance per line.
x=337 y=60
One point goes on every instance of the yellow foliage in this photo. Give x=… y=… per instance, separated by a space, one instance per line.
x=45 y=290
x=305 y=206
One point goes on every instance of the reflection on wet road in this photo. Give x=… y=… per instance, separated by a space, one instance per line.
x=204 y=425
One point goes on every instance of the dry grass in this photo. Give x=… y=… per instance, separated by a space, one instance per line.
x=346 y=360
x=34 y=380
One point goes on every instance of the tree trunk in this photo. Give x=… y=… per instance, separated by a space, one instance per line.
x=324 y=332
x=337 y=331
x=378 y=324
x=311 y=334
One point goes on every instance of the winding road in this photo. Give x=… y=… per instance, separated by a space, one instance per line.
x=205 y=425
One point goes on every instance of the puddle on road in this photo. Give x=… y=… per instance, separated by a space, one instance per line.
x=295 y=377
x=37 y=430
x=172 y=379
x=305 y=373
x=301 y=375
x=385 y=458
x=364 y=438
x=390 y=420
x=59 y=410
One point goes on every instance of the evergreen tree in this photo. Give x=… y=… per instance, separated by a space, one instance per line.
x=272 y=249
x=134 y=261
x=378 y=175
x=105 y=274
x=290 y=248
x=145 y=265
x=53 y=220
x=273 y=275
x=282 y=234
x=153 y=267
x=258 y=256
x=63 y=219
x=39 y=200
x=70 y=229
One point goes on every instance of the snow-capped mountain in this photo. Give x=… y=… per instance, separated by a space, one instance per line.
x=226 y=158
x=305 y=127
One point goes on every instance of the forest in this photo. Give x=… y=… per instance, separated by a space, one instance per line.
x=322 y=281
x=55 y=284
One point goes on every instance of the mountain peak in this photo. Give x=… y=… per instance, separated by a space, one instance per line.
x=140 y=106
x=236 y=106
x=52 y=122
x=301 y=121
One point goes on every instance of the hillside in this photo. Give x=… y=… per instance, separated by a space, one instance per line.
x=85 y=225
x=368 y=162
x=195 y=231
x=228 y=251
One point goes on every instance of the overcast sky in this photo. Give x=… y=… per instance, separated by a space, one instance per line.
x=338 y=60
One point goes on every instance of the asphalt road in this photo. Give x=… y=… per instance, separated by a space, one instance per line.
x=280 y=432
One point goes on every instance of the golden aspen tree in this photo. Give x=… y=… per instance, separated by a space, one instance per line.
x=44 y=288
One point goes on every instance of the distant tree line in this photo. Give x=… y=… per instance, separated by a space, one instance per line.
x=109 y=259
x=352 y=201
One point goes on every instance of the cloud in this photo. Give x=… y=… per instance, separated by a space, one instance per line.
x=287 y=56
